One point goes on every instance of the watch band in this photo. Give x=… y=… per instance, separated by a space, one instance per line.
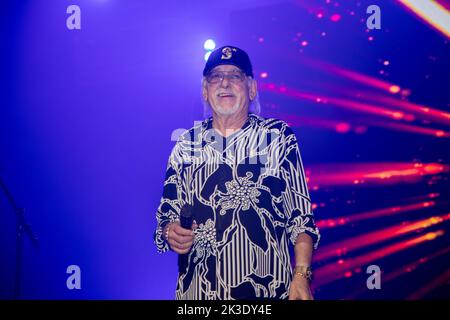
x=304 y=272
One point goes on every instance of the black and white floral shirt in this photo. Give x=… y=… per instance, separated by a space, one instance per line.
x=249 y=197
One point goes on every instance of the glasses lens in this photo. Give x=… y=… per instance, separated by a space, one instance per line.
x=214 y=77
x=236 y=77
x=233 y=77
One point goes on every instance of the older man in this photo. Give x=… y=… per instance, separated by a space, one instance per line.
x=242 y=179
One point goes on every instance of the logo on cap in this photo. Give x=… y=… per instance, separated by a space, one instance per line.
x=227 y=52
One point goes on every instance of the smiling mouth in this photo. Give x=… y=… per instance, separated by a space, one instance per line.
x=225 y=95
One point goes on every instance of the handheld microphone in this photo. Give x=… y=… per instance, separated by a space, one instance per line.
x=186 y=220
x=186 y=217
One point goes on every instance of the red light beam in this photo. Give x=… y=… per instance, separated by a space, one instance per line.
x=343 y=247
x=343 y=220
x=371 y=173
x=332 y=272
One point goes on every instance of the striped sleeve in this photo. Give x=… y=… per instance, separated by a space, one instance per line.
x=300 y=217
x=170 y=204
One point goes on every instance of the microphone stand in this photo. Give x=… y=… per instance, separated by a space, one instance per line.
x=22 y=227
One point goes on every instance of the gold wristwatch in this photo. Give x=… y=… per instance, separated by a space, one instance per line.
x=304 y=272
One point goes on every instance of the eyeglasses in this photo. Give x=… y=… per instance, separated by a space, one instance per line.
x=235 y=77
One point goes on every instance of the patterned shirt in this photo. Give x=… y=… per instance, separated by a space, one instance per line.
x=249 y=196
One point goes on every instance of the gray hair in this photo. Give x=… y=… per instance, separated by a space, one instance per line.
x=254 y=107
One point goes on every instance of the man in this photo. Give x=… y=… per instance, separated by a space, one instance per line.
x=241 y=178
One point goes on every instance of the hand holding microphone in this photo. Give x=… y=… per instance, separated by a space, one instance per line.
x=180 y=234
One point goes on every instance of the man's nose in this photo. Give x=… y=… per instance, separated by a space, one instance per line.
x=225 y=82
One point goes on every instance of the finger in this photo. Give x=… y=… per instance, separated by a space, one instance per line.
x=182 y=231
x=189 y=244
x=176 y=246
x=177 y=241
x=180 y=238
x=180 y=245
x=181 y=250
x=186 y=249
x=183 y=245
x=175 y=237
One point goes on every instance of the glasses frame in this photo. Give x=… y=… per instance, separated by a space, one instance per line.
x=226 y=74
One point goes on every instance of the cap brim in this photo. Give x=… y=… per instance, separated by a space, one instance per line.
x=221 y=63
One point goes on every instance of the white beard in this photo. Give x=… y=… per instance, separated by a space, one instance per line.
x=226 y=111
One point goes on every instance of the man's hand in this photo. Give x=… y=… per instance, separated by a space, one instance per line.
x=300 y=289
x=180 y=240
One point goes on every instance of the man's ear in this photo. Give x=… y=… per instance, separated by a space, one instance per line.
x=252 y=89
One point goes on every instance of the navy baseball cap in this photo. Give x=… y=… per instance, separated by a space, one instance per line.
x=229 y=55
